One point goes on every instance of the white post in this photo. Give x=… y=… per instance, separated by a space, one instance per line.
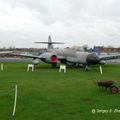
x=1 y=67
x=27 y=68
x=15 y=100
x=101 y=71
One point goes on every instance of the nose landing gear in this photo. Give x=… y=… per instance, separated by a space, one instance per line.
x=87 y=68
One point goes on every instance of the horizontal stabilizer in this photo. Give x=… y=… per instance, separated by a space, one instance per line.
x=50 y=42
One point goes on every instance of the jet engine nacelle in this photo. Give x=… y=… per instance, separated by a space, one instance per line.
x=70 y=64
x=102 y=62
x=36 y=61
x=49 y=58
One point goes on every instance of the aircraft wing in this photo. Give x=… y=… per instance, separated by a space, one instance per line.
x=61 y=58
x=27 y=56
x=5 y=52
x=42 y=56
x=109 y=57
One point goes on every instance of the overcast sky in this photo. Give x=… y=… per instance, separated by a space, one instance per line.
x=75 y=22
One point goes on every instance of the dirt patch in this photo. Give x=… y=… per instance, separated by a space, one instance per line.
x=72 y=113
x=87 y=99
x=57 y=105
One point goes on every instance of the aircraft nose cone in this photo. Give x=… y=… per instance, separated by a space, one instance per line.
x=93 y=59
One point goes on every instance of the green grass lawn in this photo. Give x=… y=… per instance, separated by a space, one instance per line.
x=46 y=94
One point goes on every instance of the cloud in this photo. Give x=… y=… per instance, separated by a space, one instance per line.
x=91 y=22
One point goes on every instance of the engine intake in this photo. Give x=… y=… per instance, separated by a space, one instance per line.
x=36 y=61
x=54 y=58
x=49 y=58
x=93 y=59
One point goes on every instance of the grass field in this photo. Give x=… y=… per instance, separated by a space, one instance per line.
x=46 y=94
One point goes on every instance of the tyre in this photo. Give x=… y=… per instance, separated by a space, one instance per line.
x=114 y=89
x=87 y=68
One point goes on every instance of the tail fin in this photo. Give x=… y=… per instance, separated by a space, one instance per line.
x=50 y=43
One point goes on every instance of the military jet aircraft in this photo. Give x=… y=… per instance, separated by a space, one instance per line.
x=68 y=56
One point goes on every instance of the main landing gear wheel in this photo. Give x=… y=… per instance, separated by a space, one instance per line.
x=87 y=68
x=114 y=89
x=54 y=65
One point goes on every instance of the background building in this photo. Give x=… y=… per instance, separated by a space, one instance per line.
x=106 y=49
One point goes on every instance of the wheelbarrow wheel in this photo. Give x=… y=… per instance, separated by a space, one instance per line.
x=114 y=89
